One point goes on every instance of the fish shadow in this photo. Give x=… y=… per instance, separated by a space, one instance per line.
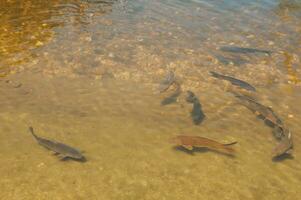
x=66 y=159
x=283 y=157
x=200 y=150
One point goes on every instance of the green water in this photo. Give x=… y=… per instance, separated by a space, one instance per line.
x=86 y=73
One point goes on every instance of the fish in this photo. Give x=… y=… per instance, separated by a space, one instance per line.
x=197 y=113
x=234 y=81
x=280 y=131
x=243 y=50
x=64 y=151
x=190 y=142
x=167 y=81
x=173 y=97
x=263 y=111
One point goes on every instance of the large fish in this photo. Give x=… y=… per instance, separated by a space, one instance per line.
x=63 y=150
x=280 y=132
x=243 y=50
x=197 y=113
x=167 y=81
x=189 y=142
x=234 y=81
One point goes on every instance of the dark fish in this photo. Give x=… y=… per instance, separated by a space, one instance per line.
x=167 y=82
x=234 y=81
x=189 y=142
x=260 y=110
x=63 y=150
x=173 y=97
x=235 y=49
x=197 y=113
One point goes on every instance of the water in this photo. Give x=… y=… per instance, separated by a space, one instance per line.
x=87 y=72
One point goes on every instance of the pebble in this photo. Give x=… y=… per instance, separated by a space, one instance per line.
x=39 y=43
x=111 y=55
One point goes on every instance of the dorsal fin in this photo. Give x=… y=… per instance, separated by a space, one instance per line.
x=232 y=143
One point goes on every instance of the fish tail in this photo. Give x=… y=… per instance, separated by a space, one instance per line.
x=214 y=74
x=232 y=143
x=32 y=132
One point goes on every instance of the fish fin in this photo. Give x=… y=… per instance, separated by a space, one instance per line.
x=290 y=151
x=214 y=74
x=62 y=157
x=257 y=113
x=32 y=132
x=188 y=147
x=232 y=143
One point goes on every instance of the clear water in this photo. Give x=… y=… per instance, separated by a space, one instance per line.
x=87 y=72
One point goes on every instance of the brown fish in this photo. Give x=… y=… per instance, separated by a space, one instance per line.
x=189 y=142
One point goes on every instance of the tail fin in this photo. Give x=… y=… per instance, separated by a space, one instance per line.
x=214 y=74
x=232 y=143
x=32 y=132
x=228 y=149
x=269 y=53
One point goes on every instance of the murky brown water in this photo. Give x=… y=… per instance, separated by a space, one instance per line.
x=87 y=72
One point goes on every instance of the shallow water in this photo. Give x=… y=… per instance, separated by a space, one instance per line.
x=86 y=73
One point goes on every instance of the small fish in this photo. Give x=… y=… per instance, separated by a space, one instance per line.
x=173 y=97
x=190 y=142
x=243 y=50
x=167 y=81
x=260 y=110
x=234 y=81
x=63 y=150
x=197 y=113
